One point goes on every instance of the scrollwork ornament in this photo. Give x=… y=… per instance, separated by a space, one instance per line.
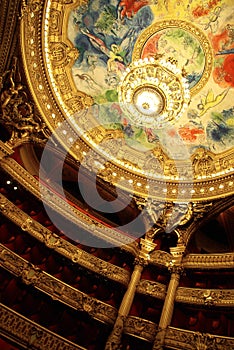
x=17 y=111
x=204 y=341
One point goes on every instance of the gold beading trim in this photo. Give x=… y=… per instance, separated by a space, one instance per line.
x=209 y=261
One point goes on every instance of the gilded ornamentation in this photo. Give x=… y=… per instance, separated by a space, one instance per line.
x=38 y=70
x=143 y=329
x=32 y=275
x=207 y=297
x=209 y=261
x=114 y=340
x=159 y=257
x=5 y=150
x=17 y=113
x=203 y=162
x=154 y=289
x=182 y=339
x=63 y=247
x=29 y=334
x=61 y=54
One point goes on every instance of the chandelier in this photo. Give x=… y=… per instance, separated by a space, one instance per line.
x=153 y=93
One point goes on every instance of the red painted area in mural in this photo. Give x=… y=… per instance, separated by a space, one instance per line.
x=131 y=7
x=224 y=69
x=151 y=47
x=201 y=10
x=190 y=134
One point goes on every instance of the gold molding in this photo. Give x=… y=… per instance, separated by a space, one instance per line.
x=53 y=241
x=28 y=334
x=206 y=297
x=209 y=261
x=187 y=340
x=58 y=290
x=154 y=289
x=140 y=328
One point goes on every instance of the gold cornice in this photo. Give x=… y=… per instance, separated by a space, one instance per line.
x=56 y=289
x=209 y=261
x=8 y=31
x=53 y=241
x=28 y=334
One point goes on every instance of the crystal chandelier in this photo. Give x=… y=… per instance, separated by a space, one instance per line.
x=153 y=93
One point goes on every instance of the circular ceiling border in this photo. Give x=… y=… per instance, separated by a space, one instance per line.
x=215 y=179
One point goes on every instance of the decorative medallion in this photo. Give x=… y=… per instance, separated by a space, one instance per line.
x=154 y=94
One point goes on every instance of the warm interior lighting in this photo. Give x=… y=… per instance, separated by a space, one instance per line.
x=153 y=93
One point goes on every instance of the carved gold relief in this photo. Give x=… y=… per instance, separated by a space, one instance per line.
x=63 y=247
x=31 y=275
x=209 y=297
x=182 y=339
x=27 y=333
x=140 y=328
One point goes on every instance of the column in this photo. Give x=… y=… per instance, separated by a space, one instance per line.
x=167 y=312
x=114 y=340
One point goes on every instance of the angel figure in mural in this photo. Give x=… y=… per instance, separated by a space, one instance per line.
x=113 y=53
x=211 y=101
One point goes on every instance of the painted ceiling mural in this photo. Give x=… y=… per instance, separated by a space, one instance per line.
x=198 y=35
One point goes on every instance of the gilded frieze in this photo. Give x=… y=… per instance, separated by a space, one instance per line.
x=182 y=339
x=58 y=290
x=63 y=247
x=208 y=297
x=140 y=328
x=27 y=333
x=154 y=289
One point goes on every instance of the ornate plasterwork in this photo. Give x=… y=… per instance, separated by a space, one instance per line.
x=48 y=67
x=208 y=297
x=58 y=290
x=140 y=328
x=29 y=334
x=154 y=289
x=53 y=241
x=209 y=261
x=182 y=339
